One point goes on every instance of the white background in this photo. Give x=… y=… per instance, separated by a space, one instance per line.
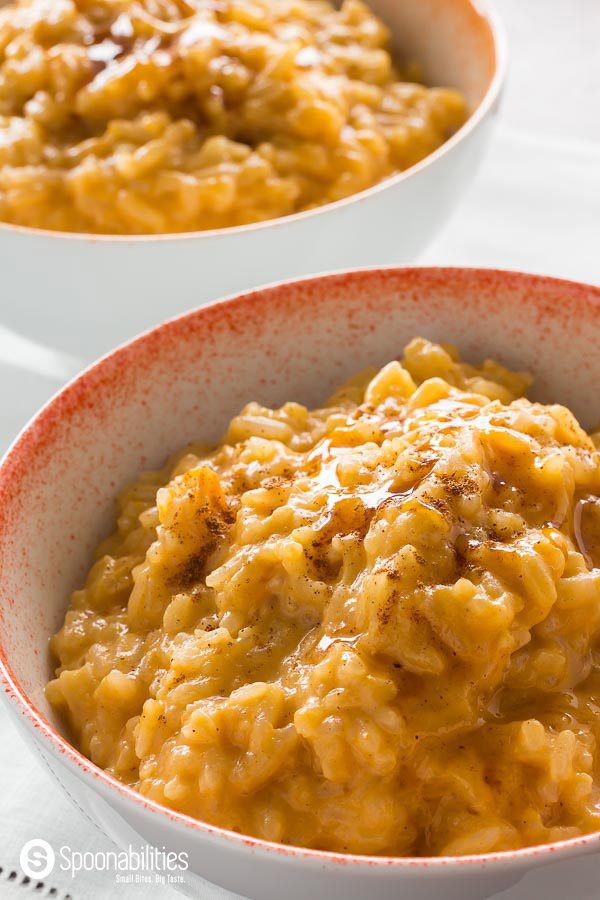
x=554 y=83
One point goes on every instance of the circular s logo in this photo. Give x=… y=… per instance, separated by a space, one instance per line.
x=37 y=858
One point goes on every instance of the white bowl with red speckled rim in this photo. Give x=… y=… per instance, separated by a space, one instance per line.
x=183 y=381
x=83 y=294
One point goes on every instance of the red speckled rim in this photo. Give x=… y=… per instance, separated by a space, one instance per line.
x=497 y=49
x=21 y=454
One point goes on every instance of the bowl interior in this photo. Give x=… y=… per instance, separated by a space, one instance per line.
x=452 y=40
x=186 y=379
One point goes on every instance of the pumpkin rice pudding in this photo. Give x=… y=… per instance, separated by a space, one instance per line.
x=371 y=627
x=153 y=116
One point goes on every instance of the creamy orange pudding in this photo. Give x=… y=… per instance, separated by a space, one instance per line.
x=371 y=627
x=152 y=116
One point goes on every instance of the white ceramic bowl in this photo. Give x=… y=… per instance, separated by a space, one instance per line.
x=84 y=293
x=184 y=381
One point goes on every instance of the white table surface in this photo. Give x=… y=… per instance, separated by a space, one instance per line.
x=554 y=81
x=535 y=205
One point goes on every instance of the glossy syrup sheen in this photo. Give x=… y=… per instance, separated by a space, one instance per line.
x=371 y=627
